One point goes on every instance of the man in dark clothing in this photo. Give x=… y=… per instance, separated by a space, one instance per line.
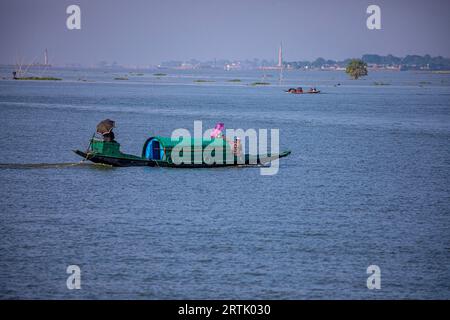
x=109 y=137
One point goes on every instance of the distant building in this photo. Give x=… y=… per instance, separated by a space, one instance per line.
x=279 y=65
x=280 y=56
x=233 y=66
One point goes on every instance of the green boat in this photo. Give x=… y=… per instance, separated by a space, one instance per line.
x=159 y=152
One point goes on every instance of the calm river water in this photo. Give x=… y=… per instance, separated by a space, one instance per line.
x=368 y=182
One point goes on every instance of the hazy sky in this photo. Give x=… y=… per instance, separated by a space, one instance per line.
x=142 y=32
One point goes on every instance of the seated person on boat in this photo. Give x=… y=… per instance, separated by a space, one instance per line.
x=105 y=128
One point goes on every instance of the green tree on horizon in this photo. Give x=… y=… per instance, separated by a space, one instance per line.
x=356 y=68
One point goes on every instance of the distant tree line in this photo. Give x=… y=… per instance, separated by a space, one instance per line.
x=410 y=62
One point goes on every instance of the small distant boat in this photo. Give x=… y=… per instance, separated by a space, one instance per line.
x=300 y=91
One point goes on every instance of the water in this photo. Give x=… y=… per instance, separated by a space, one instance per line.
x=367 y=183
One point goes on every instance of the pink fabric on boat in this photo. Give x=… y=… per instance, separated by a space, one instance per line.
x=217 y=130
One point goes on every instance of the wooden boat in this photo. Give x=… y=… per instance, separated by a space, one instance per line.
x=157 y=152
x=298 y=91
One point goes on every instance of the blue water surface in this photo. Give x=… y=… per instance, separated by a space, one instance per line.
x=367 y=183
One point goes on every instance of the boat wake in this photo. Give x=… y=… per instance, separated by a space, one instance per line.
x=44 y=165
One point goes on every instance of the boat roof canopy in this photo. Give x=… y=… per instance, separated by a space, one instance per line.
x=169 y=143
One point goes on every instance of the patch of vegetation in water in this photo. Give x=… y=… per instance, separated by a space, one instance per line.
x=160 y=74
x=120 y=78
x=39 y=78
x=234 y=80
x=203 y=81
x=424 y=82
x=381 y=83
x=441 y=71
x=260 y=83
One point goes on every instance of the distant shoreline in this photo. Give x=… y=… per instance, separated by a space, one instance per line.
x=374 y=62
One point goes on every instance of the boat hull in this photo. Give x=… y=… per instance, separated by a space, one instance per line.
x=127 y=162
x=305 y=92
x=114 y=161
